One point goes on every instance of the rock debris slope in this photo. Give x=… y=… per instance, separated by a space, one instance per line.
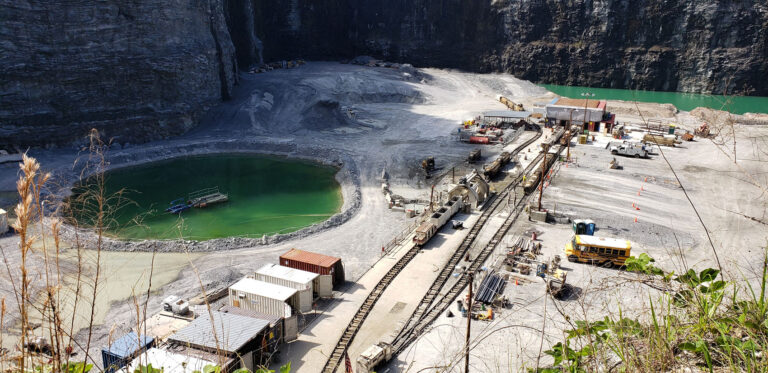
x=144 y=69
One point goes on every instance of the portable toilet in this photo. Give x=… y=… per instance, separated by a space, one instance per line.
x=122 y=351
x=3 y=221
x=590 y=227
x=579 y=226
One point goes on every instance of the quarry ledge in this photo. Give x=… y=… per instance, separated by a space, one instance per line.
x=347 y=176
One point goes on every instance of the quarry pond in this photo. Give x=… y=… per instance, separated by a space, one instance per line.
x=683 y=101
x=264 y=195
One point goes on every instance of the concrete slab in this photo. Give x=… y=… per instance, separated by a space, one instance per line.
x=401 y=298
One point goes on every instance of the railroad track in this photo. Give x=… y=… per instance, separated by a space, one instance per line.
x=335 y=360
x=425 y=314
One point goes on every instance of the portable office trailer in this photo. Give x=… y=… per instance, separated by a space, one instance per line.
x=122 y=351
x=563 y=110
x=292 y=278
x=263 y=297
x=323 y=265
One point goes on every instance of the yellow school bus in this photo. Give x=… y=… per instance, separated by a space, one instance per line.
x=604 y=251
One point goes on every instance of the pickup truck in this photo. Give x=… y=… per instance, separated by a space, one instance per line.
x=629 y=149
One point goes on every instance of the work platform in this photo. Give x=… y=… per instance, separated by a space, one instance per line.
x=207 y=197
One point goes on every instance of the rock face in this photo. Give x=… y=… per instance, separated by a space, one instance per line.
x=144 y=69
x=703 y=46
x=136 y=70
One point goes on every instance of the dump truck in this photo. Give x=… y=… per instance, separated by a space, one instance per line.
x=373 y=357
x=629 y=149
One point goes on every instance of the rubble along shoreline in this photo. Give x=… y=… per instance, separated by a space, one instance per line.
x=347 y=176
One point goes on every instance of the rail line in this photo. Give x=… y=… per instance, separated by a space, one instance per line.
x=334 y=361
x=425 y=314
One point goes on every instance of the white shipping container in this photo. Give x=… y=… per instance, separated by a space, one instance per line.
x=262 y=297
x=292 y=278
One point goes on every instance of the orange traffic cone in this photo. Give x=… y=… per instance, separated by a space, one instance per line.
x=637 y=207
x=633 y=205
x=635 y=219
x=645 y=179
x=515 y=282
x=638 y=192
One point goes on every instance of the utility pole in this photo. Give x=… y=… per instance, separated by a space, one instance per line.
x=586 y=101
x=543 y=169
x=431 y=195
x=568 y=136
x=453 y=174
x=469 y=321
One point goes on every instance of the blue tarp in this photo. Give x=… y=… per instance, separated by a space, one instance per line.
x=128 y=345
x=121 y=351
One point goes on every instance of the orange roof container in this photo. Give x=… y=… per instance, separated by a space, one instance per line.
x=315 y=263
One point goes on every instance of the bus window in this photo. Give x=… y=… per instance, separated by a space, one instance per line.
x=601 y=251
x=615 y=252
x=622 y=252
x=593 y=250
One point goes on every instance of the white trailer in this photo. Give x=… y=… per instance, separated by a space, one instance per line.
x=292 y=278
x=260 y=296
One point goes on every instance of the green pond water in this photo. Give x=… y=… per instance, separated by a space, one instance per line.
x=683 y=101
x=266 y=195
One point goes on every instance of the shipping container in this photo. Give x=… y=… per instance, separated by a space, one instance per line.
x=315 y=263
x=292 y=278
x=123 y=350
x=260 y=296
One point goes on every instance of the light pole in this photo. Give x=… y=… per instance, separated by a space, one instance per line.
x=543 y=171
x=586 y=95
x=471 y=277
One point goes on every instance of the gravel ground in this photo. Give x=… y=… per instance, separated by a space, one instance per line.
x=366 y=120
x=667 y=229
x=362 y=119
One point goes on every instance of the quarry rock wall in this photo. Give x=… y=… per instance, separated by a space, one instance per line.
x=140 y=70
x=137 y=70
x=706 y=46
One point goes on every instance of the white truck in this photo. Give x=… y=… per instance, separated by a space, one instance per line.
x=629 y=149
